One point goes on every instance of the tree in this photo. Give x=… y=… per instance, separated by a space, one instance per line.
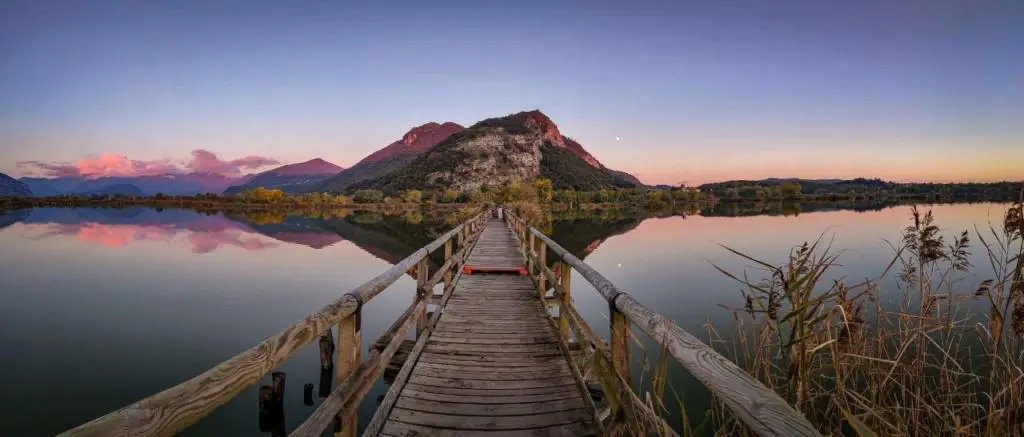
x=654 y=197
x=368 y=196
x=544 y=189
x=450 y=196
x=518 y=192
x=413 y=196
x=790 y=190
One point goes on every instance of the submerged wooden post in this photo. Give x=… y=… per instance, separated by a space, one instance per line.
x=266 y=399
x=277 y=383
x=564 y=301
x=326 y=350
x=348 y=359
x=620 y=342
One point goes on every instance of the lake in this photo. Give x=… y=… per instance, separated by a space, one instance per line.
x=103 y=307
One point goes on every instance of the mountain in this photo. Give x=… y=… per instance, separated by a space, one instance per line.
x=117 y=190
x=13 y=187
x=292 y=178
x=397 y=154
x=169 y=184
x=526 y=145
x=44 y=187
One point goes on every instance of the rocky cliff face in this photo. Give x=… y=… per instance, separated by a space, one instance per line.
x=13 y=187
x=395 y=155
x=495 y=151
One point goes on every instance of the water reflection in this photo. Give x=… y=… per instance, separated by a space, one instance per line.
x=147 y=299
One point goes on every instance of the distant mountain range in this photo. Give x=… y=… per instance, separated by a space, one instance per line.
x=292 y=178
x=13 y=187
x=128 y=190
x=170 y=184
x=526 y=145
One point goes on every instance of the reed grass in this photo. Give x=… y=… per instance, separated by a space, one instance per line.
x=944 y=359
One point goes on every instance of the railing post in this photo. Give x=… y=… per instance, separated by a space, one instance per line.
x=542 y=255
x=447 y=258
x=620 y=341
x=422 y=276
x=349 y=346
x=530 y=264
x=565 y=300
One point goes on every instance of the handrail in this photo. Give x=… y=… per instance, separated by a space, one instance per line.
x=759 y=408
x=178 y=407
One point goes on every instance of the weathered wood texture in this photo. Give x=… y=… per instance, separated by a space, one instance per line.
x=492 y=364
x=754 y=404
x=168 y=412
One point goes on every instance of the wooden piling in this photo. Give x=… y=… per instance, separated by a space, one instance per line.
x=307 y=394
x=326 y=350
x=326 y=378
x=277 y=382
x=266 y=399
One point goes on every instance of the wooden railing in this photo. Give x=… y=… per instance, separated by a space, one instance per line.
x=759 y=408
x=178 y=407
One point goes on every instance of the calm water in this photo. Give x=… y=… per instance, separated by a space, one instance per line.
x=100 y=308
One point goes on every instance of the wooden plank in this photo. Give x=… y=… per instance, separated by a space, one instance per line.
x=488 y=423
x=485 y=374
x=494 y=341
x=472 y=409
x=399 y=429
x=496 y=350
x=469 y=367
x=537 y=337
x=479 y=361
x=490 y=384
x=492 y=398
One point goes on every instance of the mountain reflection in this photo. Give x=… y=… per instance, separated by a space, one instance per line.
x=387 y=237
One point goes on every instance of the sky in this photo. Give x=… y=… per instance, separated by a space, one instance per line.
x=678 y=91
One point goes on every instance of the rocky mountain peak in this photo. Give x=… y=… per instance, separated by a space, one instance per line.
x=419 y=139
x=536 y=120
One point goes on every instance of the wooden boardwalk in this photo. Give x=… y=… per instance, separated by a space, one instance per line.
x=490 y=361
x=493 y=364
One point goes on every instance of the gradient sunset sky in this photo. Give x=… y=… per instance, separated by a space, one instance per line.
x=695 y=91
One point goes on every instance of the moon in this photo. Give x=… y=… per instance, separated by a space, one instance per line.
x=618 y=139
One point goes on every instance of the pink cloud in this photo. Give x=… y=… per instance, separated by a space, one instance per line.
x=205 y=161
x=114 y=236
x=209 y=242
x=51 y=169
x=113 y=165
